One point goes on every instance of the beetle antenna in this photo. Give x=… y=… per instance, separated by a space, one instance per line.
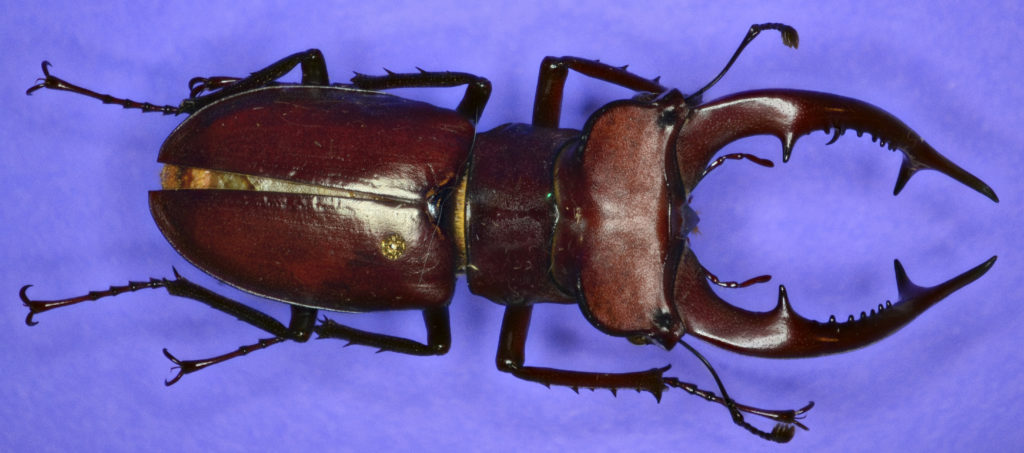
x=789 y=37
x=781 y=433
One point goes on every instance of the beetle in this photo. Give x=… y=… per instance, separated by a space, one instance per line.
x=313 y=193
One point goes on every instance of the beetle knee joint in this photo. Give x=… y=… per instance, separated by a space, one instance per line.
x=507 y=365
x=440 y=348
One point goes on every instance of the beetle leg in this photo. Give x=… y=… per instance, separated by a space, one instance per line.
x=314 y=72
x=190 y=366
x=55 y=83
x=547 y=107
x=439 y=335
x=547 y=104
x=511 y=358
x=478 y=89
x=178 y=286
x=299 y=329
x=198 y=85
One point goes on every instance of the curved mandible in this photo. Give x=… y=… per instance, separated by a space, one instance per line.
x=790 y=114
x=782 y=333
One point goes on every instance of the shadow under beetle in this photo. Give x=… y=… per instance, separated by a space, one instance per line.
x=342 y=198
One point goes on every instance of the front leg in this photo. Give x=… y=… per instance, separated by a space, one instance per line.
x=511 y=358
x=547 y=105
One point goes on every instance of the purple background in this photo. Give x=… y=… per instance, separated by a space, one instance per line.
x=75 y=218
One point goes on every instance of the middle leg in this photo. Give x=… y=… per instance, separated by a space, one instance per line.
x=478 y=89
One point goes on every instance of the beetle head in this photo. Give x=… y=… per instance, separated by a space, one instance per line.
x=626 y=258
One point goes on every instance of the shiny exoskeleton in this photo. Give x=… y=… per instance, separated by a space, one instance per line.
x=340 y=197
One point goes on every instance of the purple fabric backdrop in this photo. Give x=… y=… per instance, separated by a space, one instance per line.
x=75 y=218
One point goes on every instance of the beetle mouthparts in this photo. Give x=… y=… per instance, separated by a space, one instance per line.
x=782 y=333
x=790 y=114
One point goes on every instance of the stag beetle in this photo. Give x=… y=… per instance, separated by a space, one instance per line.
x=313 y=194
